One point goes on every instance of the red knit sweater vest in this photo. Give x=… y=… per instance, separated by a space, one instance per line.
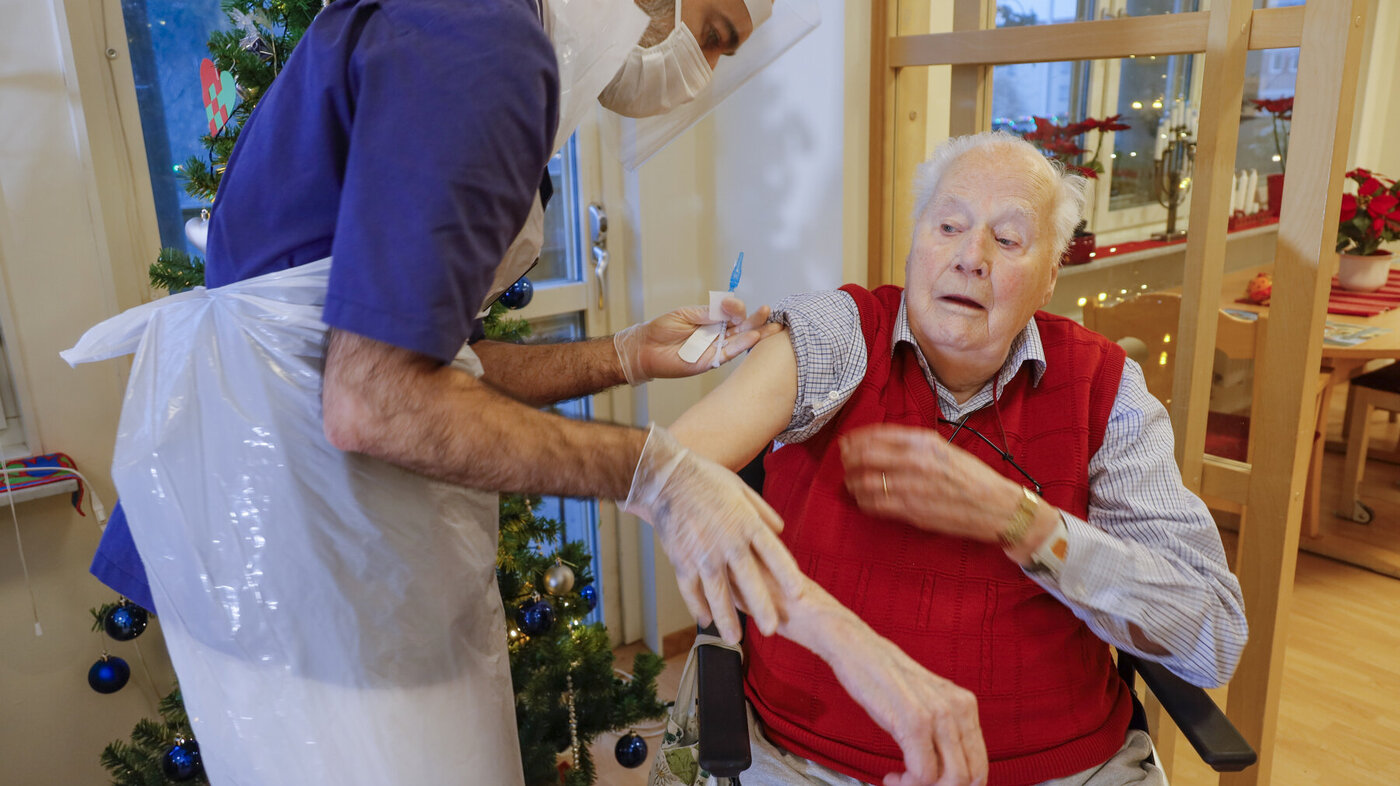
x=1049 y=700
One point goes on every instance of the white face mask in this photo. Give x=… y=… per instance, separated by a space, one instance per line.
x=657 y=79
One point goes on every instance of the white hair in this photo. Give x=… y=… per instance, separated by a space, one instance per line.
x=1067 y=189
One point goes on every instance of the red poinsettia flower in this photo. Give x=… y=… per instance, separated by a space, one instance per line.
x=1348 y=207
x=1044 y=129
x=1359 y=175
x=1113 y=123
x=1082 y=127
x=1381 y=205
x=1082 y=170
x=1370 y=186
x=1283 y=107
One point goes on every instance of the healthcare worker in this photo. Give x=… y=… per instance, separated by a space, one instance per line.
x=310 y=449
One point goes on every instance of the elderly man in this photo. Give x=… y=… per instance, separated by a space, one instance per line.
x=988 y=490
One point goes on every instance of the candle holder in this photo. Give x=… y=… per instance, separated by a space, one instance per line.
x=1172 y=177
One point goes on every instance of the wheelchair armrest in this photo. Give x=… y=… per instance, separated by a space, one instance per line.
x=1214 y=737
x=724 y=727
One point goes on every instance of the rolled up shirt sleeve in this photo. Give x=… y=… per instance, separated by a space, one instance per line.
x=1150 y=554
x=831 y=357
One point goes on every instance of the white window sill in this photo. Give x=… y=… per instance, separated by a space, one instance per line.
x=67 y=486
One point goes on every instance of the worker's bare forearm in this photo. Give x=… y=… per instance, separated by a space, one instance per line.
x=409 y=410
x=543 y=374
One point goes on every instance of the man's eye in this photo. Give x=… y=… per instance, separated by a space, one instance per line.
x=1007 y=242
x=947 y=228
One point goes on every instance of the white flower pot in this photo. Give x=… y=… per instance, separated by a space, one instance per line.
x=1363 y=274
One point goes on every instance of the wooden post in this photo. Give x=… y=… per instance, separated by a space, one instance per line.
x=1222 y=92
x=1321 y=130
x=882 y=83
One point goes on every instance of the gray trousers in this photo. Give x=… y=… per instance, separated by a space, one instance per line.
x=773 y=766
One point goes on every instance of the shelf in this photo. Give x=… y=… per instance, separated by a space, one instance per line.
x=66 y=486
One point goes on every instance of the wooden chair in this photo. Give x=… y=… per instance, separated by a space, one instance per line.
x=1379 y=389
x=1145 y=327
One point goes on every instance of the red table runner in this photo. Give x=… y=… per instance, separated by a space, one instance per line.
x=1360 y=304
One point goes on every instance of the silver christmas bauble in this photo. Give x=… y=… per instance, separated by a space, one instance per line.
x=558 y=580
x=197 y=230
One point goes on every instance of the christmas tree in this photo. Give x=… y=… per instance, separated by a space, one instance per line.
x=566 y=690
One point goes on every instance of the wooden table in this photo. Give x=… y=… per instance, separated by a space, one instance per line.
x=1340 y=364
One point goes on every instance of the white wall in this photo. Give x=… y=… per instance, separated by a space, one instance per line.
x=57 y=258
x=778 y=172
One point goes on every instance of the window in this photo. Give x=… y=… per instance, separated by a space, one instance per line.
x=167 y=40
x=1143 y=90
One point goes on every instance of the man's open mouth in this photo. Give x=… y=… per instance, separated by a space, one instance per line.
x=963 y=301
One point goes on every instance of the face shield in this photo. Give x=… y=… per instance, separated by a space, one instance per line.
x=791 y=20
x=592 y=39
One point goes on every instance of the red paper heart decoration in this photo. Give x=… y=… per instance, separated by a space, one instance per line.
x=220 y=93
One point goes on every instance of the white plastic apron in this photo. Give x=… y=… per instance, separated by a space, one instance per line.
x=333 y=619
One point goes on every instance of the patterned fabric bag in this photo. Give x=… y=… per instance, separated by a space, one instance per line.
x=678 y=763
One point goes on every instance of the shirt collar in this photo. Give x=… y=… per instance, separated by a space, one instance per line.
x=1025 y=348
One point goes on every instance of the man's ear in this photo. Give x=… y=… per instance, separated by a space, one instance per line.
x=1050 y=286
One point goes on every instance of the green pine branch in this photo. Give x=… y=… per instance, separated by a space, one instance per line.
x=176 y=271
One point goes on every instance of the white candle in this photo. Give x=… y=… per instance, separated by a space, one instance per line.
x=1234 y=193
x=1251 y=192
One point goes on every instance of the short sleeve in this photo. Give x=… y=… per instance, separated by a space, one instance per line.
x=454 y=112
x=831 y=357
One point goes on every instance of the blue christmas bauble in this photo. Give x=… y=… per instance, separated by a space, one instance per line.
x=519 y=294
x=590 y=596
x=631 y=750
x=125 y=621
x=535 y=616
x=181 y=761
x=109 y=674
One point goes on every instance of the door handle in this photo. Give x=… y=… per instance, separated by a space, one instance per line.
x=600 y=271
x=598 y=229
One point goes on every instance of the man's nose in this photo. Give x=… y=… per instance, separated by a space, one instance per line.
x=973 y=257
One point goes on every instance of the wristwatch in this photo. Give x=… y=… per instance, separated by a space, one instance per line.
x=1015 y=530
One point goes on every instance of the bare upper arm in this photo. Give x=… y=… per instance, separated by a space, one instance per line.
x=741 y=416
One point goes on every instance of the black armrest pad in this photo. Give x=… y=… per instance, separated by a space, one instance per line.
x=724 y=727
x=1212 y=734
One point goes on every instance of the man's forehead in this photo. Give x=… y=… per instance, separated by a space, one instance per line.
x=1016 y=179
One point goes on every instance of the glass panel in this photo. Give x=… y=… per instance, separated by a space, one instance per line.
x=167 y=42
x=1018 y=13
x=580 y=516
x=1147 y=89
x=560 y=259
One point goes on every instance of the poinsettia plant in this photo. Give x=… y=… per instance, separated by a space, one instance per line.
x=1061 y=141
x=1281 y=112
x=1371 y=216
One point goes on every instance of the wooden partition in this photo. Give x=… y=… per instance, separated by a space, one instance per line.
x=1329 y=36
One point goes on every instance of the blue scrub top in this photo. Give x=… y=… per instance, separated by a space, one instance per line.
x=405 y=138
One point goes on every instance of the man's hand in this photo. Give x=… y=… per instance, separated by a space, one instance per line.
x=717 y=532
x=913 y=474
x=933 y=720
x=651 y=350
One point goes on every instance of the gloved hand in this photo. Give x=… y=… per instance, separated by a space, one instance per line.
x=720 y=536
x=650 y=350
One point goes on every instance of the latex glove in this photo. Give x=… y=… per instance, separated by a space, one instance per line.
x=932 y=719
x=650 y=350
x=720 y=536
